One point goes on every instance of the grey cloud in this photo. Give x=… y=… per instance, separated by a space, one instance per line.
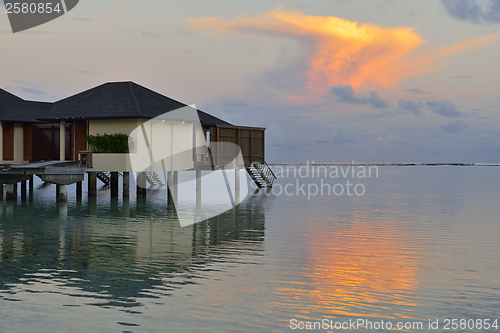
x=144 y=33
x=25 y=89
x=296 y=8
x=30 y=90
x=461 y=77
x=455 y=127
x=149 y=34
x=418 y=91
x=344 y=134
x=241 y=105
x=84 y=72
x=345 y=94
x=379 y=115
x=444 y=108
x=414 y=107
x=486 y=11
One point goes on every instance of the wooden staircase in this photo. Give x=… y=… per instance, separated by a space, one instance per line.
x=261 y=174
x=153 y=179
x=104 y=177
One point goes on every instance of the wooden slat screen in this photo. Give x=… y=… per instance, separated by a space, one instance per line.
x=28 y=142
x=8 y=141
x=46 y=142
x=250 y=141
x=80 y=132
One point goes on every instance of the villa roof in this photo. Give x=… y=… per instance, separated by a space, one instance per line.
x=16 y=109
x=119 y=100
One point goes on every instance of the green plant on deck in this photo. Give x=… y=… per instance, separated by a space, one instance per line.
x=108 y=143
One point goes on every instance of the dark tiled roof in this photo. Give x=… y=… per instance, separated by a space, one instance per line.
x=119 y=100
x=15 y=109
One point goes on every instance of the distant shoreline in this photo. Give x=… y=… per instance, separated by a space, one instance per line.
x=385 y=164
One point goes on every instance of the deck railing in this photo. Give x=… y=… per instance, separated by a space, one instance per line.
x=266 y=172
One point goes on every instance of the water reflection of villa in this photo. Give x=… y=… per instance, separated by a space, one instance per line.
x=118 y=261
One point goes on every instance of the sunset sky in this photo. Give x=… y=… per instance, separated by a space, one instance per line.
x=331 y=80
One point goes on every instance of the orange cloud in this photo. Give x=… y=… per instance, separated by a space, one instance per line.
x=342 y=52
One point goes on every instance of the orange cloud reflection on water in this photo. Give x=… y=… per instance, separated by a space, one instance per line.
x=367 y=270
x=343 y=52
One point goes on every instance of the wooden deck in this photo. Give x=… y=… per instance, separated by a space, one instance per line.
x=40 y=167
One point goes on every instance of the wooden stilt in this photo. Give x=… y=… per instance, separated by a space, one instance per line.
x=114 y=184
x=92 y=184
x=126 y=184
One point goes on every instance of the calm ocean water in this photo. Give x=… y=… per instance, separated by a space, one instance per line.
x=422 y=243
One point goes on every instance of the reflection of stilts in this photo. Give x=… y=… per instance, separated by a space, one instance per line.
x=92 y=206
x=11 y=192
x=172 y=193
x=172 y=186
x=126 y=207
x=62 y=242
x=228 y=187
x=114 y=205
x=259 y=195
x=237 y=186
x=63 y=210
x=198 y=192
x=78 y=206
x=24 y=184
x=9 y=208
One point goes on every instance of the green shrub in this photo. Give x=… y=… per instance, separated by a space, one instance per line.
x=108 y=143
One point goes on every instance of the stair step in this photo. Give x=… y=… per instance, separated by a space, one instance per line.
x=103 y=177
x=261 y=174
x=153 y=179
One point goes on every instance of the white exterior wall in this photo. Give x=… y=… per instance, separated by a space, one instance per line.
x=171 y=146
x=113 y=126
x=111 y=162
x=166 y=139
x=172 y=143
x=18 y=142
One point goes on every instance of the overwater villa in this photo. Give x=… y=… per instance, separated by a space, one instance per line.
x=54 y=133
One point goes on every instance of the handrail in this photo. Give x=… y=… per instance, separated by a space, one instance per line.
x=266 y=173
x=270 y=170
x=211 y=157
